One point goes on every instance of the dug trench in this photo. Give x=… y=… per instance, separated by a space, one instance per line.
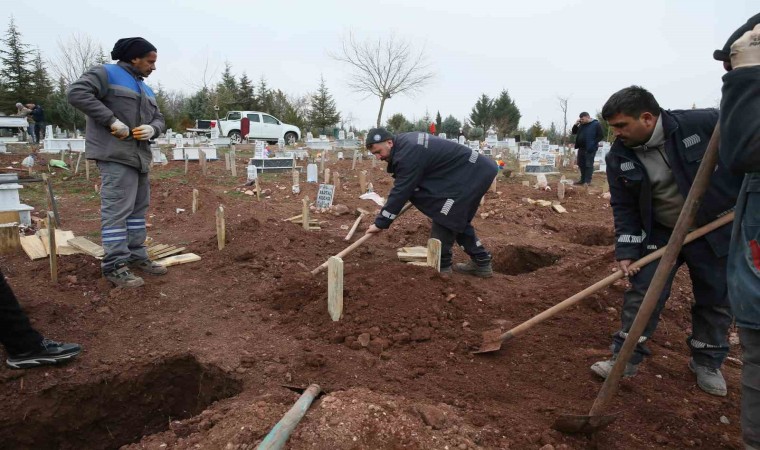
x=116 y=410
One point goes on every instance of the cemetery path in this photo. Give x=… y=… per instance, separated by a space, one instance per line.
x=197 y=358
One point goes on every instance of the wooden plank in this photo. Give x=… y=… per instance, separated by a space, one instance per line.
x=33 y=247
x=10 y=217
x=178 y=259
x=354 y=227
x=166 y=253
x=305 y=213
x=10 y=241
x=418 y=263
x=434 y=254
x=152 y=253
x=157 y=248
x=335 y=288
x=221 y=228
x=87 y=246
x=289 y=219
x=62 y=238
x=195 y=201
x=52 y=246
x=363 y=181
x=559 y=208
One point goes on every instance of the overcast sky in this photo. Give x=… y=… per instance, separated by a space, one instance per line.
x=536 y=49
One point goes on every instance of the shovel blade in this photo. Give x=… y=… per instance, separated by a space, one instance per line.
x=571 y=423
x=492 y=340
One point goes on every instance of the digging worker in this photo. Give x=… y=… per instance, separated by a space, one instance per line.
x=588 y=134
x=444 y=180
x=740 y=151
x=25 y=346
x=650 y=169
x=122 y=115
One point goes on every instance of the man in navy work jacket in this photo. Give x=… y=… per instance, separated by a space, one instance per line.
x=740 y=151
x=588 y=134
x=444 y=180
x=650 y=169
x=122 y=115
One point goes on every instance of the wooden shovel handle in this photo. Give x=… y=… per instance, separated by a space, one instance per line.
x=601 y=284
x=356 y=244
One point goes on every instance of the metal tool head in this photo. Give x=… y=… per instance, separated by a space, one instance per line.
x=491 y=341
x=573 y=424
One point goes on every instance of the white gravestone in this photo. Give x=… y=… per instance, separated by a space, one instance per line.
x=311 y=173
x=325 y=195
x=461 y=140
x=252 y=172
x=341 y=135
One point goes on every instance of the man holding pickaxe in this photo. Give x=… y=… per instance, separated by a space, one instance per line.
x=650 y=169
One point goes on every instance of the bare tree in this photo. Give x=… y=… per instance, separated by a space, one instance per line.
x=384 y=68
x=563 y=106
x=75 y=56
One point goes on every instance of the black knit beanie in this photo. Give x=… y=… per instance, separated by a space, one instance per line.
x=127 y=49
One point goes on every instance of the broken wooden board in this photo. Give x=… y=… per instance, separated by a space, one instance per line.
x=559 y=208
x=178 y=259
x=157 y=248
x=418 y=263
x=543 y=203
x=408 y=254
x=61 y=238
x=87 y=246
x=33 y=247
x=168 y=252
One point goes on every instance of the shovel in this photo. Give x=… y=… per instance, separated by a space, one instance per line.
x=355 y=245
x=493 y=339
x=597 y=419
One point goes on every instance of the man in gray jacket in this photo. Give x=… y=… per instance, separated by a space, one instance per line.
x=122 y=115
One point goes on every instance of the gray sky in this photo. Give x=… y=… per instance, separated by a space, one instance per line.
x=537 y=49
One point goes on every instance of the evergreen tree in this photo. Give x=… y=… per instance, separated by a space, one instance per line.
x=553 y=134
x=15 y=72
x=438 y=122
x=482 y=113
x=263 y=96
x=535 y=130
x=58 y=110
x=397 y=123
x=323 y=112
x=41 y=84
x=506 y=115
x=451 y=126
x=245 y=93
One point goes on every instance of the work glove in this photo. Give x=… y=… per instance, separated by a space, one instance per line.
x=119 y=129
x=745 y=51
x=143 y=132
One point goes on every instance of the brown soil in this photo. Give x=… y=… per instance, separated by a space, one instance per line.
x=198 y=358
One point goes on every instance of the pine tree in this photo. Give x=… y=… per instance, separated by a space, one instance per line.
x=438 y=122
x=482 y=113
x=42 y=87
x=451 y=126
x=506 y=115
x=15 y=71
x=397 y=123
x=263 y=96
x=323 y=112
x=245 y=93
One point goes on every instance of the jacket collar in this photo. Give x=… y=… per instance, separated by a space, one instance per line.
x=130 y=69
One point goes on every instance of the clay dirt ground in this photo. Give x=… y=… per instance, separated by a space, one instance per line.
x=198 y=358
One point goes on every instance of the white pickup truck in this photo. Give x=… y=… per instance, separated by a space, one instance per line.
x=262 y=126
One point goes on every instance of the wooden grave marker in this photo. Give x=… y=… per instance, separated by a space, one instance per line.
x=52 y=247
x=363 y=181
x=434 y=254
x=220 y=227
x=335 y=288
x=202 y=159
x=194 y=207
x=305 y=213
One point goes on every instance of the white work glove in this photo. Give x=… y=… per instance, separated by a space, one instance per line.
x=143 y=132
x=119 y=129
x=745 y=51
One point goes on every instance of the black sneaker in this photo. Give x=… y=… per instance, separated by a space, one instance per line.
x=121 y=276
x=49 y=353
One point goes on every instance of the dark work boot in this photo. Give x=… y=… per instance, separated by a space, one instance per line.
x=482 y=270
x=148 y=266
x=48 y=353
x=121 y=276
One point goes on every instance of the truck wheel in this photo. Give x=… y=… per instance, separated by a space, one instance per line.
x=290 y=138
x=235 y=137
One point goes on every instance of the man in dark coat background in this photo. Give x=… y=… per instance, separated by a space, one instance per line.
x=445 y=181
x=588 y=134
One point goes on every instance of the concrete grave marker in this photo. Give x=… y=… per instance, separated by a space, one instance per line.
x=325 y=195
x=311 y=173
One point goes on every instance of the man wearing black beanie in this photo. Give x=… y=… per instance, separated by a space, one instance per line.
x=122 y=115
x=740 y=151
